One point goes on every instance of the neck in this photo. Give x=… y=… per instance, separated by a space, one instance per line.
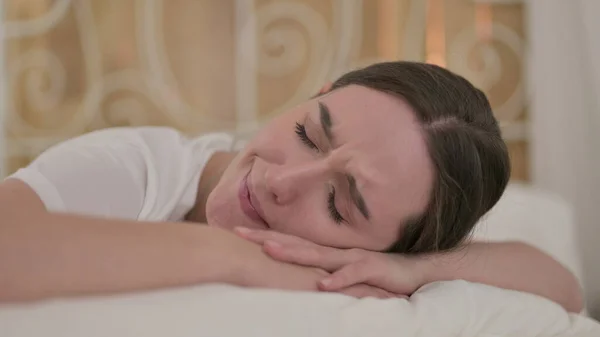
x=212 y=173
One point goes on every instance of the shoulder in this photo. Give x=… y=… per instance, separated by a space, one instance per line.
x=121 y=135
x=154 y=137
x=145 y=140
x=125 y=171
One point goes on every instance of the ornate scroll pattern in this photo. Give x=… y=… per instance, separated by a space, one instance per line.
x=43 y=77
x=284 y=49
x=37 y=26
x=300 y=46
x=492 y=69
x=77 y=66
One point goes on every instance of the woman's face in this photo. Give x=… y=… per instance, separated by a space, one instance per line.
x=346 y=170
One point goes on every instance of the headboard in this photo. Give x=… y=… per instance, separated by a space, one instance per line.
x=230 y=65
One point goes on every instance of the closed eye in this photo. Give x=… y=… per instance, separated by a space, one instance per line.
x=331 y=207
x=301 y=133
x=333 y=212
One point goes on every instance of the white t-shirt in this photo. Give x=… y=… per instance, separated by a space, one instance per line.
x=143 y=173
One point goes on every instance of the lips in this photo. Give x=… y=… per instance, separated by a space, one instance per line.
x=249 y=203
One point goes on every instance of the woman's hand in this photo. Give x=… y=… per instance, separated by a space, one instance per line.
x=355 y=272
x=399 y=274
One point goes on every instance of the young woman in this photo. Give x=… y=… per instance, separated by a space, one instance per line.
x=365 y=189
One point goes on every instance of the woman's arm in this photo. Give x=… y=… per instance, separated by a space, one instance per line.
x=47 y=255
x=508 y=265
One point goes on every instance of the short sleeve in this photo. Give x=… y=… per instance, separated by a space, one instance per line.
x=99 y=174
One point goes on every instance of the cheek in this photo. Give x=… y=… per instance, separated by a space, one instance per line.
x=384 y=235
x=306 y=217
x=217 y=209
x=272 y=144
x=222 y=206
x=310 y=220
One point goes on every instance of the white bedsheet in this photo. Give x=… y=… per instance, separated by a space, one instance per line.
x=442 y=309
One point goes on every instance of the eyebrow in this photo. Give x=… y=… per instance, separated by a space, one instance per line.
x=356 y=196
x=326 y=124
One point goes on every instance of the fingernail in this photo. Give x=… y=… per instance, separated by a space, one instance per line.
x=242 y=230
x=326 y=282
x=273 y=244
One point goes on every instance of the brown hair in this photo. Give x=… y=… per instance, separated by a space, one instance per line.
x=465 y=144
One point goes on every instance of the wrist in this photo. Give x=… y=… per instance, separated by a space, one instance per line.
x=426 y=268
x=444 y=266
x=225 y=258
x=249 y=266
x=243 y=263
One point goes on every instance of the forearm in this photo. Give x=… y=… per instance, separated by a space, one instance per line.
x=509 y=265
x=60 y=255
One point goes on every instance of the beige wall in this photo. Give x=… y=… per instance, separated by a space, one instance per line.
x=565 y=115
x=202 y=65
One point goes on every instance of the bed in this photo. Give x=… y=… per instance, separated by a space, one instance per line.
x=456 y=308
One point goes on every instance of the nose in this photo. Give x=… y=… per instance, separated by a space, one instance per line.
x=286 y=182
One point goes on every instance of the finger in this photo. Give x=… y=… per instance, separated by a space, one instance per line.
x=362 y=291
x=303 y=255
x=260 y=236
x=357 y=293
x=369 y=272
x=351 y=274
x=329 y=259
x=251 y=235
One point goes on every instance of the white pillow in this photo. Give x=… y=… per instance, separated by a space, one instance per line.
x=441 y=309
x=536 y=217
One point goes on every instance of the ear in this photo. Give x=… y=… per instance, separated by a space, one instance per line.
x=325 y=88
